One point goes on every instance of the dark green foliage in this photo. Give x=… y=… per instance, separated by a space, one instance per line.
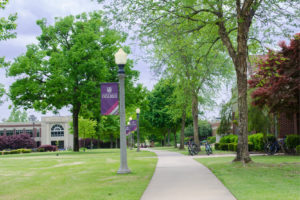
x=298 y=149
x=224 y=146
x=217 y=146
x=232 y=146
x=250 y=146
x=292 y=141
x=204 y=130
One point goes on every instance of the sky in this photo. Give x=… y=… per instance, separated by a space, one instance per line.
x=29 y=11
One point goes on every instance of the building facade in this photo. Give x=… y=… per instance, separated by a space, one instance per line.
x=50 y=130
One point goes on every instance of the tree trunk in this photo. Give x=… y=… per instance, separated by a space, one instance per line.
x=169 y=132
x=116 y=143
x=182 y=128
x=76 y=109
x=175 y=139
x=245 y=15
x=195 y=117
x=241 y=72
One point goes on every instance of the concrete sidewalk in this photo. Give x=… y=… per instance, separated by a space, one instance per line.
x=181 y=177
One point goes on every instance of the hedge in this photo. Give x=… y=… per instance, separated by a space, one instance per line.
x=298 y=149
x=16 y=151
x=217 y=146
x=229 y=139
x=292 y=141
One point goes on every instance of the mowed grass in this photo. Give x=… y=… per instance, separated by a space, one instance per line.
x=267 y=178
x=185 y=150
x=84 y=175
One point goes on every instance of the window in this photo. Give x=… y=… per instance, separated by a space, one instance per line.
x=59 y=144
x=18 y=132
x=57 y=131
x=37 y=132
x=9 y=132
x=1 y=133
x=29 y=132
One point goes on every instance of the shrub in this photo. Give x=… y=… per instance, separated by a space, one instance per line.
x=17 y=142
x=25 y=150
x=257 y=141
x=224 y=146
x=298 y=149
x=232 y=146
x=211 y=139
x=250 y=146
x=48 y=147
x=292 y=141
x=229 y=139
x=217 y=146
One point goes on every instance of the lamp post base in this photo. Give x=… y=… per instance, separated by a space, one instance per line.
x=124 y=171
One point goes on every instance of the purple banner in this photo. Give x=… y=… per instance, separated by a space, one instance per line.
x=133 y=125
x=127 y=130
x=109 y=99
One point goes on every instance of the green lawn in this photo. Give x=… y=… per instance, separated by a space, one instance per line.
x=267 y=178
x=84 y=175
x=185 y=151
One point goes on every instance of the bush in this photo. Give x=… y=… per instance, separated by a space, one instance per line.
x=229 y=139
x=257 y=141
x=224 y=146
x=292 y=141
x=298 y=149
x=250 y=146
x=217 y=146
x=232 y=146
x=47 y=147
x=25 y=150
x=211 y=139
x=17 y=142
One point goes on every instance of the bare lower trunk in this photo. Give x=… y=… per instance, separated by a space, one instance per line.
x=182 y=129
x=98 y=142
x=195 y=117
x=76 y=109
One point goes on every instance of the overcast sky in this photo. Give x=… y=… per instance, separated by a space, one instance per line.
x=31 y=10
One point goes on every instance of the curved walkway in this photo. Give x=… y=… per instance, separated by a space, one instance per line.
x=181 y=177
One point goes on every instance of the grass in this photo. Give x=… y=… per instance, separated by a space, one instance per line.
x=185 y=151
x=267 y=178
x=84 y=175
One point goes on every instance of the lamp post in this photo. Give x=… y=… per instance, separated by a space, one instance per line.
x=138 y=129
x=120 y=59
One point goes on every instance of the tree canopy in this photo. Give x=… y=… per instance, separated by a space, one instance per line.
x=72 y=58
x=276 y=82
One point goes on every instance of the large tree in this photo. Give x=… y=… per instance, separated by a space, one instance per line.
x=7 y=26
x=72 y=58
x=233 y=20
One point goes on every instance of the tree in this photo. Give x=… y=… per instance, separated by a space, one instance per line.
x=17 y=116
x=276 y=82
x=236 y=23
x=72 y=58
x=6 y=32
x=86 y=128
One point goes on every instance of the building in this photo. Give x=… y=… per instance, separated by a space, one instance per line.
x=50 y=130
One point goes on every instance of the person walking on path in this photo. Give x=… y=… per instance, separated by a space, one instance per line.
x=179 y=177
